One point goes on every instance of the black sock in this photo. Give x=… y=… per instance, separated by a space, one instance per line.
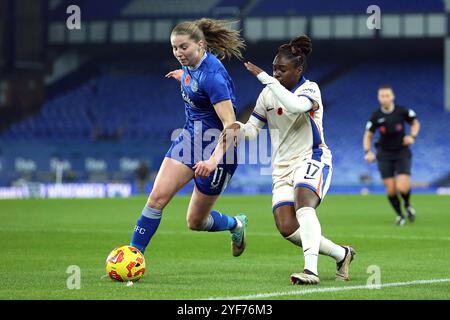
x=405 y=197
x=395 y=202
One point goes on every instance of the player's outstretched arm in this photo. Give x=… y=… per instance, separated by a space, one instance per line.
x=231 y=136
x=292 y=102
x=248 y=130
x=236 y=131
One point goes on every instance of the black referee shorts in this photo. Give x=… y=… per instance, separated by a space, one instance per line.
x=391 y=167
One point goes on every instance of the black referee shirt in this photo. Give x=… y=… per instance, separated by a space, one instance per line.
x=391 y=127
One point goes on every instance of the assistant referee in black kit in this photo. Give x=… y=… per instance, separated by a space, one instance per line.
x=393 y=153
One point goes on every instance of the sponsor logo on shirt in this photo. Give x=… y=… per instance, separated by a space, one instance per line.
x=186 y=98
x=311 y=90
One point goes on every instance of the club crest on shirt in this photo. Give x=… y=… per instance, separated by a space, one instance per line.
x=194 y=85
x=399 y=127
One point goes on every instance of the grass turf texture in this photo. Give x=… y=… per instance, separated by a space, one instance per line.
x=41 y=238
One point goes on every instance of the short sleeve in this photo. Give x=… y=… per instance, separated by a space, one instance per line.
x=371 y=124
x=260 y=111
x=410 y=115
x=216 y=87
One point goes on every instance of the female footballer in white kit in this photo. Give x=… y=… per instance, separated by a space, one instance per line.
x=292 y=105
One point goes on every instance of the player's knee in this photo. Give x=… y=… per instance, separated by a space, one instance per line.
x=286 y=231
x=306 y=198
x=391 y=192
x=286 y=227
x=306 y=203
x=391 y=189
x=195 y=224
x=157 y=200
x=403 y=189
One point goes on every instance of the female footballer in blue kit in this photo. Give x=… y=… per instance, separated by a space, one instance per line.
x=209 y=100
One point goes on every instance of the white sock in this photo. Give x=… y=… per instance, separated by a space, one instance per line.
x=310 y=233
x=295 y=238
x=326 y=247
x=331 y=249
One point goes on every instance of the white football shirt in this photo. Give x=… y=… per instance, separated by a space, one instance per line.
x=294 y=136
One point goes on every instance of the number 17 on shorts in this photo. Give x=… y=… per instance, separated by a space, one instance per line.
x=314 y=175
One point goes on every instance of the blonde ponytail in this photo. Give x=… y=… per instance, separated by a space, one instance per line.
x=219 y=37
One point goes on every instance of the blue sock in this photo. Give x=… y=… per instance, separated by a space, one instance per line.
x=219 y=222
x=145 y=228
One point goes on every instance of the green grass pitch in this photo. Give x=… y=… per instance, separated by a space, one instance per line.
x=41 y=238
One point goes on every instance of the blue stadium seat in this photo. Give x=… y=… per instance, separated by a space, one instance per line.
x=139 y=105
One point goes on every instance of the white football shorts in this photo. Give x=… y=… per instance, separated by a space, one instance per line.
x=311 y=174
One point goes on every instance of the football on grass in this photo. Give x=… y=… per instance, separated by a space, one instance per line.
x=125 y=263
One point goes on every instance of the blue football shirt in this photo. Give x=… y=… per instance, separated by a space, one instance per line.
x=204 y=86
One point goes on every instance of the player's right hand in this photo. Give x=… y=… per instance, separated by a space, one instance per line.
x=176 y=74
x=231 y=130
x=203 y=169
x=369 y=157
x=235 y=126
x=408 y=140
x=254 y=69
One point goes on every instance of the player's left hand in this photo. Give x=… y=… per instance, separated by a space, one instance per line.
x=254 y=70
x=408 y=140
x=204 y=168
x=176 y=74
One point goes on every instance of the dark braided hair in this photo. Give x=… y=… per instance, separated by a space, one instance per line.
x=297 y=50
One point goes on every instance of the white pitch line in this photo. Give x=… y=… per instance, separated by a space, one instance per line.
x=330 y=289
x=390 y=237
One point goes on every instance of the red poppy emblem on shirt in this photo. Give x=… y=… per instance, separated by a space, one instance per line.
x=280 y=111
x=382 y=130
x=187 y=80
